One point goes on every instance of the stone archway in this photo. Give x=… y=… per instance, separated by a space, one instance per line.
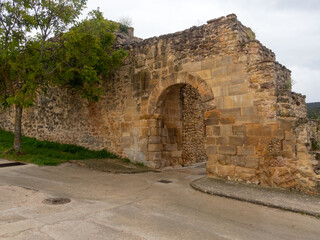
x=168 y=134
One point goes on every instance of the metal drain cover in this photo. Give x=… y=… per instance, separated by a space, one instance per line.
x=56 y=201
x=164 y=181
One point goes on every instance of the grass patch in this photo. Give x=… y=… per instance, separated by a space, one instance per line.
x=45 y=152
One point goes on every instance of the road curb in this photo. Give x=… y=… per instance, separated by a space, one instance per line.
x=269 y=197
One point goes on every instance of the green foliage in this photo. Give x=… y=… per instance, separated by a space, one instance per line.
x=47 y=153
x=315 y=145
x=87 y=57
x=289 y=83
x=314 y=115
x=251 y=34
x=313 y=110
x=26 y=61
x=125 y=24
x=26 y=64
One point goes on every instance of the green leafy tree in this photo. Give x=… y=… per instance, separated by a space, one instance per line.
x=88 y=57
x=27 y=47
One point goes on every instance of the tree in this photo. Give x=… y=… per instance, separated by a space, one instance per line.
x=87 y=56
x=27 y=48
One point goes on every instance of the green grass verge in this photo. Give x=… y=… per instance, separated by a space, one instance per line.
x=45 y=152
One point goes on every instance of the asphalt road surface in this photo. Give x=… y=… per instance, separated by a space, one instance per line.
x=133 y=206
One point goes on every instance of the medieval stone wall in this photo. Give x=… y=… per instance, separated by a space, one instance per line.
x=215 y=77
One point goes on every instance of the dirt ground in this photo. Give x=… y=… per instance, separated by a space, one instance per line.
x=112 y=165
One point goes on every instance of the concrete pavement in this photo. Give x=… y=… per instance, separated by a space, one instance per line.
x=278 y=198
x=133 y=206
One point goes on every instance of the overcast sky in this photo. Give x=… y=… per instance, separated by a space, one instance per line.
x=290 y=28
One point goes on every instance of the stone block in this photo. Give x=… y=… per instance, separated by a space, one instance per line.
x=245 y=150
x=231 y=112
x=155 y=147
x=212 y=121
x=155 y=131
x=154 y=139
x=237 y=161
x=237 y=78
x=234 y=69
x=258 y=130
x=222 y=140
x=252 y=162
x=176 y=154
x=227 y=120
x=154 y=156
x=285 y=125
x=215 y=113
x=244 y=173
x=226 y=129
x=204 y=74
x=211 y=141
x=244 y=100
x=216 y=130
x=170 y=147
x=224 y=159
x=212 y=150
x=228 y=102
x=248 y=111
x=236 y=140
x=224 y=61
x=225 y=171
x=239 y=129
x=212 y=159
x=218 y=72
x=193 y=66
x=144 y=133
x=152 y=123
x=289 y=135
x=208 y=63
x=227 y=150
x=238 y=89
x=218 y=91
x=248 y=119
x=219 y=103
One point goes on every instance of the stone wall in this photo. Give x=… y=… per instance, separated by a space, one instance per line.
x=193 y=139
x=216 y=77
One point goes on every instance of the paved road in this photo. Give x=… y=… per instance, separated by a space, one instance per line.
x=133 y=206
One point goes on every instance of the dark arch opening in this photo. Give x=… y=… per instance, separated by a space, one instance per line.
x=182 y=134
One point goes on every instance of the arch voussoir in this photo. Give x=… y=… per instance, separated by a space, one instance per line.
x=179 y=78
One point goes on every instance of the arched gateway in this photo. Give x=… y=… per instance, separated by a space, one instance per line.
x=175 y=101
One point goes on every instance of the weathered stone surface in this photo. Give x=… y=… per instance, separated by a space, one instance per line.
x=210 y=92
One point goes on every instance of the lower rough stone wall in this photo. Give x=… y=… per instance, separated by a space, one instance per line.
x=65 y=117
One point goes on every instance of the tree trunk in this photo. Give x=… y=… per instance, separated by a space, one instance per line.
x=17 y=145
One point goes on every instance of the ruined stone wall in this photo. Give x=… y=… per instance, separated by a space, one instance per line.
x=254 y=132
x=63 y=116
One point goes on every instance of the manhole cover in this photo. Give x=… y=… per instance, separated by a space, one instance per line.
x=164 y=181
x=11 y=164
x=56 y=201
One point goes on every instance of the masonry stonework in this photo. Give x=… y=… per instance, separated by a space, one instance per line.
x=210 y=93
